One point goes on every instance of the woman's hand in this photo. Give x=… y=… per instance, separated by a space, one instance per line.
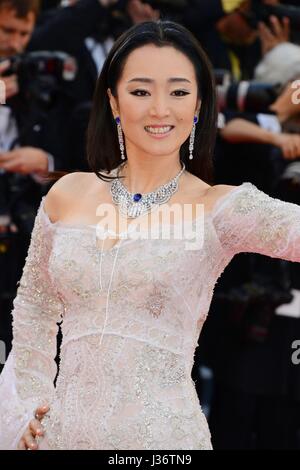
x=29 y=440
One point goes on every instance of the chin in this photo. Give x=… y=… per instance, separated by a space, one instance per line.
x=161 y=152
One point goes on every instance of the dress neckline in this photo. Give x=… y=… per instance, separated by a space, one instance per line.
x=209 y=214
x=59 y=225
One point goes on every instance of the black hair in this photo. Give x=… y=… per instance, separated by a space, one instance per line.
x=103 y=150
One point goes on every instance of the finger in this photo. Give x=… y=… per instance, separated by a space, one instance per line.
x=4 y=65
x=290 y=149
x=286 y=27
x=261 y=32
x=295 y=144
x=262 y=27
x=7 y=156
x=21 y=445
x=13 y=165
x=148 y=9
x=268 y=34
x=41 y=411
x=276 y=25
x=290 y=152
x=29 y=440
x=297 y=151
x=266 y=37
x=11 y=85
x=36 y=427
x=285 y=151
x=136 y=6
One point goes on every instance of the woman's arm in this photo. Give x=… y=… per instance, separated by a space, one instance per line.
x=27 y=380
x=248 y=220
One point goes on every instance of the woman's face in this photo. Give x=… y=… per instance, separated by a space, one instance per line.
x=156 y=100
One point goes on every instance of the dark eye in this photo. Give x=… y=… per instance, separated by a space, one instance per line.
x=181 y=91
x=136 y=92
x=178 y=93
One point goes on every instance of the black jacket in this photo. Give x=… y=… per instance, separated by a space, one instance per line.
x=66 y=31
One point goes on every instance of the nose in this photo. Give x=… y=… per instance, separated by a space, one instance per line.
x=160 y=106
x=15 y=43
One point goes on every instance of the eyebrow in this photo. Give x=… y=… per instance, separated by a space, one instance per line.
x=149 y=80
x=10 y=29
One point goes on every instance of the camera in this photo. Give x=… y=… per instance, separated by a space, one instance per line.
x=40 y=73
x=41 y=76
x=244 y=96
x=261 y=12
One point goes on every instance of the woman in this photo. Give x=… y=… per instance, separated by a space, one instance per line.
x=133 y=308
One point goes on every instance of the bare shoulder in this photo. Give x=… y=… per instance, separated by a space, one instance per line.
x=198 y=186
x=217 y=192
x=220 y=190
x=67 y=190
x=200 y=189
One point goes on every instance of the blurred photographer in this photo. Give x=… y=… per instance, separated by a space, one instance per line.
x=223 y=29
x=229 y=30
x=87 y=29
x=17 y=21
x=269 y=129
x=281 y=58
x=33 y=128
x=26 y=144
x=40 y=147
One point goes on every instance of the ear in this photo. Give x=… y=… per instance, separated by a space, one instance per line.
x=198 y=107
x=113 y=103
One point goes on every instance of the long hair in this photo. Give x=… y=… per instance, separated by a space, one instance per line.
x=103 y=152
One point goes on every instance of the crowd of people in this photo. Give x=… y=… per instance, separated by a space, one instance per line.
x=50 y=60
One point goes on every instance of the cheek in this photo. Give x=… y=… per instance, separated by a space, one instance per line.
x=3 y=39
x=185 y=110
x=24 y=41
x=134 y=111
x=186 y=118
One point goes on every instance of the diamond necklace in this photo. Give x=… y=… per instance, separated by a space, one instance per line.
x=134 y=204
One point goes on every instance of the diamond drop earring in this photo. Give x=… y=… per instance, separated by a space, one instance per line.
x=120 y=137
x=192 y=138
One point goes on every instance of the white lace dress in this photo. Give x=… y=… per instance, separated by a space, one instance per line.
x=129 y=341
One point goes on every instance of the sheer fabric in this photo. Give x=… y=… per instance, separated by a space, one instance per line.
x=131 y=316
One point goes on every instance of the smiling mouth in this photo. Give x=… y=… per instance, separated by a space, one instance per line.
x=158 y=130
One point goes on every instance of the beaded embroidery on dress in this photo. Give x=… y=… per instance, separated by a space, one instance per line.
x=128 y=345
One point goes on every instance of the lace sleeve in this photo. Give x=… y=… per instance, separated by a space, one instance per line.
x=27 y=379
x=248 y=220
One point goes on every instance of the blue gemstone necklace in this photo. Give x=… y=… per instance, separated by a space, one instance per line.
x=134 y=204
